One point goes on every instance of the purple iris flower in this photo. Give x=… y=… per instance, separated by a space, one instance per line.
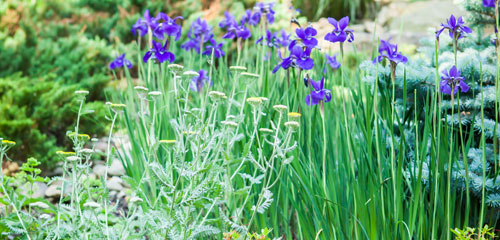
x=451 y=79
x=191 y=44
x=198 y=82
x=456 y=28
x=340 y=32
x=489 y=3
x=390 y=52
x=237 y=31
x=229 y=20
x=265 y=8
x=119 y=62
x=217 y=48
x=249 y=18
x=332 y=61
x=284 y=39
x=200 y=29
x=168 y=27
x=160 y=53
x=298 y=58
x=147 y=22
x=199 y=33
x=140 y=26
x=318 y=92
x=270 y=39
x=307 y=36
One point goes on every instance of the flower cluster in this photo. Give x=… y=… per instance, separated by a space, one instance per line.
x=235 y=29
x=318 y=92
x=260 y=9
x=160 y=53
x=452 y=79
x=300 y=50
x=270 y=39
x=340 y=32
x=160 y=26
x=119 y=62
x=200 y=33
x=197 y=82
x=299 y=57
x=332 y=61
x=456 y=28
x=390 y=52
x=489 y=3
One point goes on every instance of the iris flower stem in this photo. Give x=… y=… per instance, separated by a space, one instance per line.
x=393 y=151
x=322 y=112
x=466 y=163
x=201 y=51
x=438 y=121
x=462 y=146
x=238 y=43
x=379 y=154
x=351 y=158
x=448 y=215
x=483 y=143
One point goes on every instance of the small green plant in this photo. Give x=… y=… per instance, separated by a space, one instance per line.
x=468 y=233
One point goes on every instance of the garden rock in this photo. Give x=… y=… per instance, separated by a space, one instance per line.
x=39 y=190
x=54 y=190
x=116 y=168
x=115 y=184
x=13 y=167
x=99 y=170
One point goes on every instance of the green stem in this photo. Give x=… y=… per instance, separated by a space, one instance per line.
x=106 y=173
x=448 y=197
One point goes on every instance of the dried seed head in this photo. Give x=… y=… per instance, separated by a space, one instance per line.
x=293 y=125
x=141 y=89
x=175 y=68
x=191 y=74
x=280 y=108
x=294 y=116
x=87 y=151
x=154 y=93
x=237 y=68
x=41 y=205
x=119 y=107
x=168 y=142
x=73 y=158
x=82 y=93
x=215 y=95
x=250 y=75
x=45 y=216
x=229 y=123
x=92 y=204
x=255 y=101
x=265 y=131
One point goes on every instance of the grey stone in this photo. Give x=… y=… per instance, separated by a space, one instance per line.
x=38 y=189
x=54 y=190
x=114 y=184
x=116 y=168
x=99 y=170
